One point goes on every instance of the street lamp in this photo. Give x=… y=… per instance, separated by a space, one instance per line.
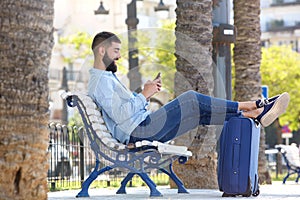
x=101 y=10
x=132 y=22
x=161 y=7
x=133 y=74
x=64 y=87
x=223 y=37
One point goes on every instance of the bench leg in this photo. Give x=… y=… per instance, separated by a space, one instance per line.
x=174 y=177
x=86 y=184
x=153 y=191
x=286 y=177
x=124 y=182
x=297 y=179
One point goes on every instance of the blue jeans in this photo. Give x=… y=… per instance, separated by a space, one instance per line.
x=183 y=114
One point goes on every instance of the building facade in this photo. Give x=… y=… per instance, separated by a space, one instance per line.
x=280 y=23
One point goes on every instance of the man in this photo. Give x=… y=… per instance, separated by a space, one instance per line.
x=126 y=114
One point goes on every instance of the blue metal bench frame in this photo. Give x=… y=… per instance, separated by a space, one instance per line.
x=136 y=160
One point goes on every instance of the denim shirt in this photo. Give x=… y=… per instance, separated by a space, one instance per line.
x=122 y=110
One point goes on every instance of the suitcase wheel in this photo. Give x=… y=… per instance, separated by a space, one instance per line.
x=247 y=195
x=256 y=193
x=228 y=195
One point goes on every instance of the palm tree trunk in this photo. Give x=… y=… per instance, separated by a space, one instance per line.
x=194 y=71
x=247 y=58
x=25 y=51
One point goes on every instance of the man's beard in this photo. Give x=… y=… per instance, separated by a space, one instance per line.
x=109 y=63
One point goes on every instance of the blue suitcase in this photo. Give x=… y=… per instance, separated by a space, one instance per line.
x=238 y=158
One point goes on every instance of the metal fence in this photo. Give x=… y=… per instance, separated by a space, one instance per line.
x=70 y=157
x=71 y=160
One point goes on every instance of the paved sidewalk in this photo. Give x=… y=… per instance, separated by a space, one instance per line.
x=276 y=191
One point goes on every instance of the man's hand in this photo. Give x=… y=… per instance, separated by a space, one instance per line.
x=151 y=88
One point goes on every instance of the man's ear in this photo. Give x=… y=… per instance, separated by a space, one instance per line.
x=101 y=50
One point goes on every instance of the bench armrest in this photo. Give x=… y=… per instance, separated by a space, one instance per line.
x=165 y=148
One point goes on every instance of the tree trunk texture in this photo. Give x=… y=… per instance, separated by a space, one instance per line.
x=26 y=41
x=194 y=72
x=247 y=58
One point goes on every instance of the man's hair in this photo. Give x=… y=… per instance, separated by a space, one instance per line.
x=105 y=39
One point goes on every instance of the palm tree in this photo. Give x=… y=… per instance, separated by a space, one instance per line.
x=25 y=50
x=247 y=58
x=194 y=71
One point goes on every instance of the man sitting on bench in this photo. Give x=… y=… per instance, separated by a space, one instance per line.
x=128 y=119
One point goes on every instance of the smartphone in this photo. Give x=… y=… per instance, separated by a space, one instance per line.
x=157 y=76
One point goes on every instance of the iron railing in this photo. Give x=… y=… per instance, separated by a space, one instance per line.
x=70 y=157
x=71 y=160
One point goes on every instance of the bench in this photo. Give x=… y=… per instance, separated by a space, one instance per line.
x=291 y=157
x=134 y=159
